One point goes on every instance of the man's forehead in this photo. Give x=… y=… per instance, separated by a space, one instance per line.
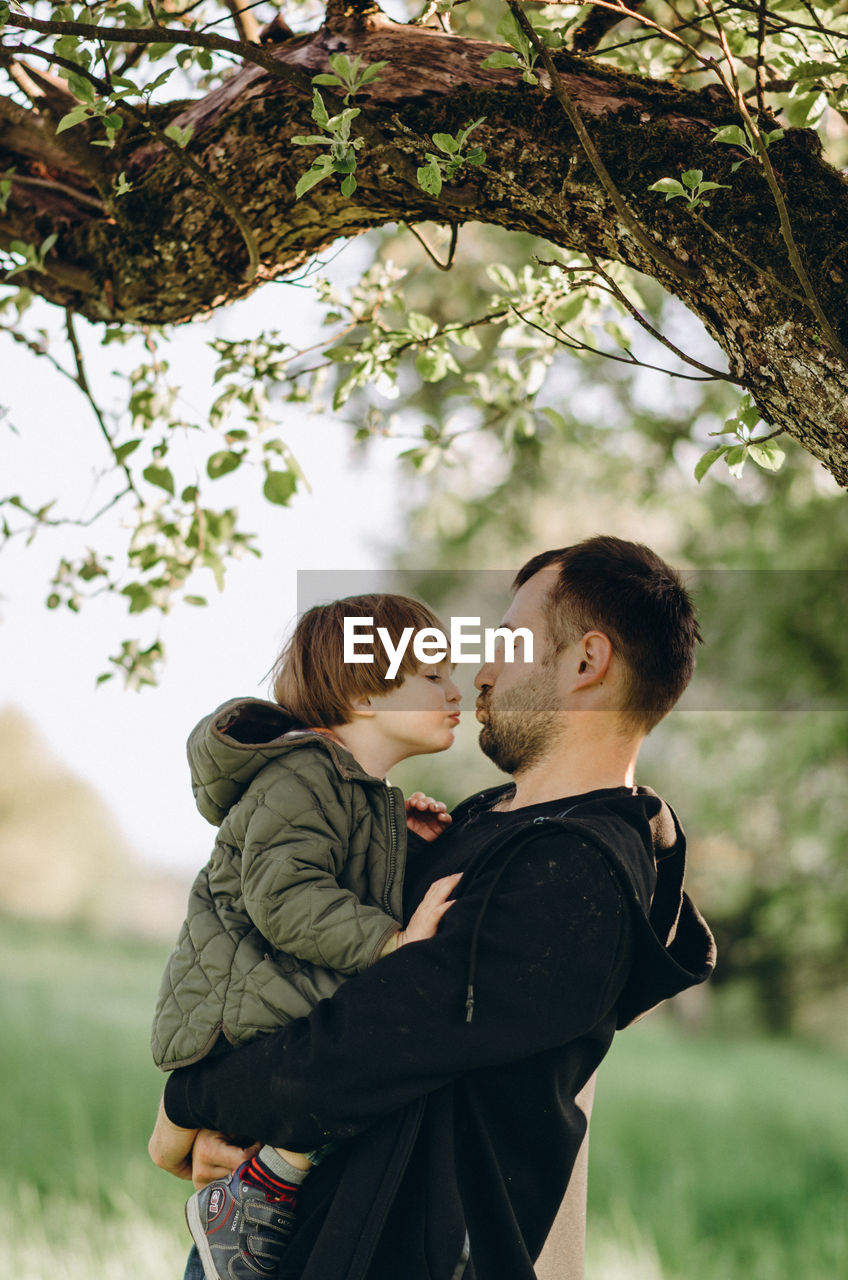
x=528 y=604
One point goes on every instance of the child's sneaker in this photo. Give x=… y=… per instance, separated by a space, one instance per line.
x=240 y=1232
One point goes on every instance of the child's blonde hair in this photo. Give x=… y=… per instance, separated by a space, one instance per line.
x=311 y=678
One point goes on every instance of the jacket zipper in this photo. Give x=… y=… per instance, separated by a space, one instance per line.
x=393 y=848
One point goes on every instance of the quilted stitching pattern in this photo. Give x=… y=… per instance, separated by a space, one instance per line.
x=293 y=894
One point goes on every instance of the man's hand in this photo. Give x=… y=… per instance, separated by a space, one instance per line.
x=425 y=816
x=214 y=1156
x=170 y=1146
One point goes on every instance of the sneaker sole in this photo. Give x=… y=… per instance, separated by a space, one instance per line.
x=198 y=1235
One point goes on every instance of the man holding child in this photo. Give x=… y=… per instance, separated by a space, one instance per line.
x=445 y=1075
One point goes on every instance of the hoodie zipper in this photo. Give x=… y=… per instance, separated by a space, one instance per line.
x=393 y=849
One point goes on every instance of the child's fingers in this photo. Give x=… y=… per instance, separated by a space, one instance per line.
x=418 y=800
x=441 y=888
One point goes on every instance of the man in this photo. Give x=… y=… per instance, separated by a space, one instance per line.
x=452 y=1067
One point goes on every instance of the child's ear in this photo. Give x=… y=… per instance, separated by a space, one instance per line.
x=362 y=706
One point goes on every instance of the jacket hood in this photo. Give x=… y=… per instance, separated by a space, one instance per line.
x=228 y=748
x=673 y=946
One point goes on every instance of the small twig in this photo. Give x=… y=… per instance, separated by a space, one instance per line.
x=645 y=324
x=245 y=22
x=82 y=382
x=569 y=107
x=566 y=339
x=255 y=53
x=760 y=68
x=443 y=266
x=80 y=196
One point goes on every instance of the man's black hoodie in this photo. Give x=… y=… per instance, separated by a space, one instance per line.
x=454 y=1063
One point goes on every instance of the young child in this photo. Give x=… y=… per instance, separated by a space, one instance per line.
x=304 y=886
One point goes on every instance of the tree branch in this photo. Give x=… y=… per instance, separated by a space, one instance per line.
x=442 y=266
x=254 y=53
x=777 y=195
x=213 y=187
x=569 y=107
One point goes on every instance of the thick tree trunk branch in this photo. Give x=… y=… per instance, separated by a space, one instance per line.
x=167 y=250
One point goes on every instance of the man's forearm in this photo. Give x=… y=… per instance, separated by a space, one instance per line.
x=399 y=1030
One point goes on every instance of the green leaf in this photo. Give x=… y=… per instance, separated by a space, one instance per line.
x=692 y=177
x=555 y=418
x=279 y=487
x=139 y=596
x=81 y=88
x=123 y=451
x=421 y=326
x=707 y=460
x=182 y=137
x=197 y=601
x=499 y=59
x=767 y=454
x=160 y=476
x=732 y=135
x=222 y=463
x=349 y=185
x=446 y=142
x=76 y=116
x=670 y=187
x=372 y=72
x=429 y=179
x=318 y=170
x=736 y=457
x=433 y=364
x=319 y=112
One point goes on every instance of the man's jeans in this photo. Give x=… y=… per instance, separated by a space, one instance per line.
x=194 y=1267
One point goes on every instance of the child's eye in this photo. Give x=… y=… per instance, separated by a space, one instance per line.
x=434 y=676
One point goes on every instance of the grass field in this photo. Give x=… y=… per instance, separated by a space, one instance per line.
x=711 y=1159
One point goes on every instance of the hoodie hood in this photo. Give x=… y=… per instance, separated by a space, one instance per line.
x=673 y=946
x=228 y=748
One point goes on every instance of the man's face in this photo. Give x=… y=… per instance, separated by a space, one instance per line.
x=520 y=703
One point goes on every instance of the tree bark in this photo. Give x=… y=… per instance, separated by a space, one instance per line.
x=169 y=250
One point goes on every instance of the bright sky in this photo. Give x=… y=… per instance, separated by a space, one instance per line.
x=131 y=745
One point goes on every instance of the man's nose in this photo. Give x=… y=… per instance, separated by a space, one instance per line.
x=485 y=677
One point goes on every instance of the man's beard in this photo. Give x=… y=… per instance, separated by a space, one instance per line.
x=525 y=724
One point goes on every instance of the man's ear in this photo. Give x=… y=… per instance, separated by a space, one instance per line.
x=362 y=707
x=594 y=657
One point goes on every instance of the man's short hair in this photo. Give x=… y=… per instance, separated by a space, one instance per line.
x=640 y=603
x=311 y=678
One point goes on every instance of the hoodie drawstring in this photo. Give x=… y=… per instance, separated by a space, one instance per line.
x=475 y=937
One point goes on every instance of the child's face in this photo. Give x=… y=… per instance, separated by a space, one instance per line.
x=421 y=715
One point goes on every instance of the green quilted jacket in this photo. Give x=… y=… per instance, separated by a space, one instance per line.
x=303 y=888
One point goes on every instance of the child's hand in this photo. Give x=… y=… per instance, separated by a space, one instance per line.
x=430 y=910
x=425 y=816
